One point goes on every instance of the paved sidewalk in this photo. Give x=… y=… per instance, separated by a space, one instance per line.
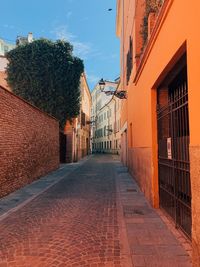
x=151 y=242
x=89 y=214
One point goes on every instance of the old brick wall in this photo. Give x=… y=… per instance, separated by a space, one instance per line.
x=29 y=143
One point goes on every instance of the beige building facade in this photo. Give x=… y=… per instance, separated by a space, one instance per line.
x=83 y=121
x=78 y=131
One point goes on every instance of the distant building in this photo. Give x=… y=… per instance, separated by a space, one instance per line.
x=83 y=123
x=21 y=40
x=105 y=131
x=3 y=82
x=3 y=76
x=5 y=47
x=78 y=131
x=3 y=63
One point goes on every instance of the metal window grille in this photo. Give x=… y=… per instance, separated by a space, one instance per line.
x=173 y=151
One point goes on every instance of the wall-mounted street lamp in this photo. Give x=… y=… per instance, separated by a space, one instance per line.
x=119 y=94
x=109 y=130
x=90 y=122
x=102 y=84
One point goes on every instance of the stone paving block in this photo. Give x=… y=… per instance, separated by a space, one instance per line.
x=139 y=260
x=143 y=250
x=169 y=251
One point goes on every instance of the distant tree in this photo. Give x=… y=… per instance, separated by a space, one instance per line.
x=46 y=74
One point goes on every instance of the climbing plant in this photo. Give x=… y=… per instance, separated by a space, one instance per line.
x=46 y=74
x=151 y=6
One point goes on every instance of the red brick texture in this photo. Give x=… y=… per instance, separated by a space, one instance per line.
x=29 y=143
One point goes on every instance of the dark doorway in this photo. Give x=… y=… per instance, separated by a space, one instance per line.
x=63 y=147
x=173 y=148
x=87 y=146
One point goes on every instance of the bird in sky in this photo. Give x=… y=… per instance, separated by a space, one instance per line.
x=109 y=9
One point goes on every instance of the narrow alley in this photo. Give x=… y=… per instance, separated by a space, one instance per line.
x=85 y=214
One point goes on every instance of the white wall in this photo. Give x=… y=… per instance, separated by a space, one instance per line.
x=3 y=63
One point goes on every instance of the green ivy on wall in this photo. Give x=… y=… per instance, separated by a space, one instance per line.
x=47 y=75
x=151 y=6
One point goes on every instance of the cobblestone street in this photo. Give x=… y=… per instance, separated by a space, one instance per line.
x=84 y=220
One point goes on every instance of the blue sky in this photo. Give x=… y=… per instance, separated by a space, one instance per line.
x=87 y=24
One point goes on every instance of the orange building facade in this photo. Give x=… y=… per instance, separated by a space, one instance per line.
x=160 y=115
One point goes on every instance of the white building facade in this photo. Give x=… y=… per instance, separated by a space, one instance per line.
x=5 y=47
x=105 y=120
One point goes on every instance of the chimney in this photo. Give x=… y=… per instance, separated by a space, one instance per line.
x=30 y=37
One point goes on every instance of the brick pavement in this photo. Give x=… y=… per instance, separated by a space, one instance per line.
x=84 y=220
x=74 y=223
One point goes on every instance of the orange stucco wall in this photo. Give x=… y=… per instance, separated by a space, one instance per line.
x=170 y=38
x=176 y=32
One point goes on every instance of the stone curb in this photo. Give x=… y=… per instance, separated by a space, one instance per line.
x=125 y=250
